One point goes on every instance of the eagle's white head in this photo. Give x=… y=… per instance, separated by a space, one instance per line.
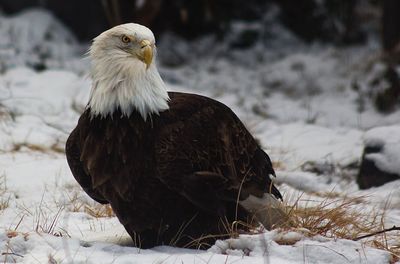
x=124 y=73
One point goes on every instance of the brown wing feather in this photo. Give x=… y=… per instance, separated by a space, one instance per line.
x=210 y=144
x=73 y=154
x=116 y=155
x=107 y=154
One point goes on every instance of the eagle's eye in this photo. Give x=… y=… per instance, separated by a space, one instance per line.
x=125 y=39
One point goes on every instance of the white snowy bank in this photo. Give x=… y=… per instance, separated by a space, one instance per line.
x=388 y=139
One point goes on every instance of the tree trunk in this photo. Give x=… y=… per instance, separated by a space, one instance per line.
x=388 y=100
x=391 y=23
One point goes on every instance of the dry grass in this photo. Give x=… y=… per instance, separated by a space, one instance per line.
x=278 y=165
x=4 y=202
x=382 y=242
x=342 y=218
x=78 y=202
x=4 y=198
x=45 y=223
x=99 y=210
x=5 y=114
x=335 y=218
x=229 y=230
x=46 y=219
x=54 y=148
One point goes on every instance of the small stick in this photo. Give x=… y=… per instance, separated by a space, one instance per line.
x=11 y=253
x=20 y=221
x=394 y=228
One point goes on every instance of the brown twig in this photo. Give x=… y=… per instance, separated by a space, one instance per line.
x=11 y=253
x=393 y=228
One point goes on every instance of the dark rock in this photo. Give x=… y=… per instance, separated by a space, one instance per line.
x=246 y=39
x=370 y=175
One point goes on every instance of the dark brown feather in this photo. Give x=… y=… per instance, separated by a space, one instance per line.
x=186 y=165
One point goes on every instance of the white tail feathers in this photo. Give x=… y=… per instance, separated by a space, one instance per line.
x=266 y=210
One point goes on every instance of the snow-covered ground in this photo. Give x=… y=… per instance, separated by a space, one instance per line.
x=299 y=100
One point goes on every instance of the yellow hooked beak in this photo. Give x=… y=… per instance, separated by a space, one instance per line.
x=145 y=53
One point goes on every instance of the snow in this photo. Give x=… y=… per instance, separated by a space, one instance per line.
x=296 y=99
x=302 y=142
x=245 y=249
x=387 y=138
x=35 y=38
x=302 y=251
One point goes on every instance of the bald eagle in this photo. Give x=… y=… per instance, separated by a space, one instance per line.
x=176 y=168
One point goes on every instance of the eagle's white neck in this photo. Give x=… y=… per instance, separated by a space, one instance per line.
x=124 y=83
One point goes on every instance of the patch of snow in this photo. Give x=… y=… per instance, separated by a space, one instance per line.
x=304 y=250
x=38 y=102
x=296 y=144
x=387 y=138
x=37 y=39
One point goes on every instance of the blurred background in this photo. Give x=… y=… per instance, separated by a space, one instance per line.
x=283 y=66
x=233 y=24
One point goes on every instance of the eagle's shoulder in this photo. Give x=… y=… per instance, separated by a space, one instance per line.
x=183 y=106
